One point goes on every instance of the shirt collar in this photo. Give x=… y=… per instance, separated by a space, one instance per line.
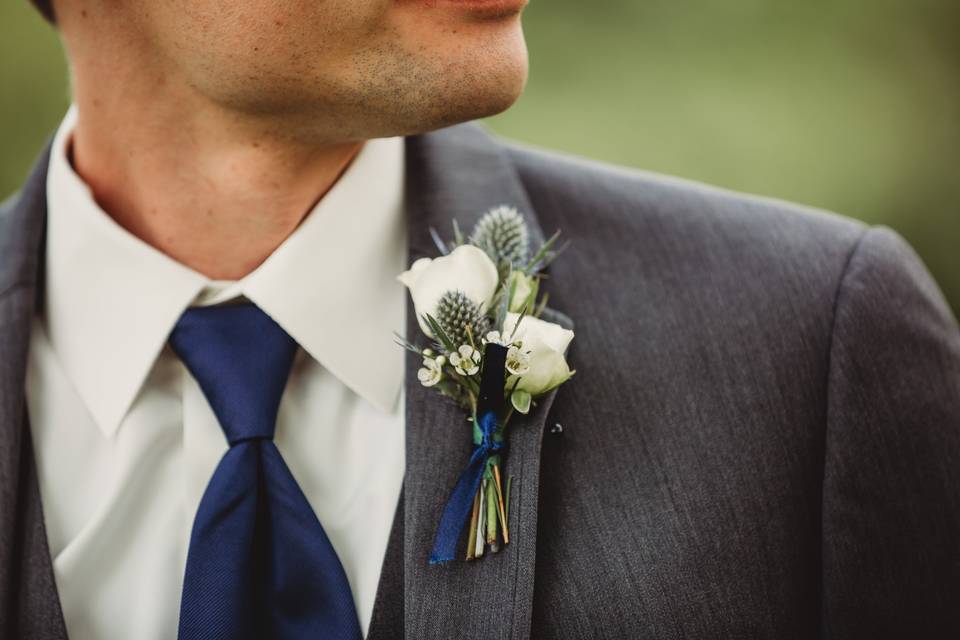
x=112 y=299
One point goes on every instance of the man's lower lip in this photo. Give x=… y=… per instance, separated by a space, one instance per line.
x=504 y=7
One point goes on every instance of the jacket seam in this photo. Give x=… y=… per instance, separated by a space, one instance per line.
x=838 y=297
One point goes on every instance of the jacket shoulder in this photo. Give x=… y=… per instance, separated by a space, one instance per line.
x=646 y=201
x=7 y=206
x=10 y=240
x=22 y=222
x=690 y=247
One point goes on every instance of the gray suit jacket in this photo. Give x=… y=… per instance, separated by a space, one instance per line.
x=762 y=439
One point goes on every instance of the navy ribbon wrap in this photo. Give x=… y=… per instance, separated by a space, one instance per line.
x=487 y=442
x=460 y=503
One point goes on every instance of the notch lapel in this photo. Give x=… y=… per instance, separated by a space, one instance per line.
x=29 y=604
x=461 y=173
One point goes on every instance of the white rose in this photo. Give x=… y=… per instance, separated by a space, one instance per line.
x=546 y=344
x=466 y=268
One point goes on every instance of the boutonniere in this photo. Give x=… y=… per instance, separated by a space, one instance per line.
x=491 y=353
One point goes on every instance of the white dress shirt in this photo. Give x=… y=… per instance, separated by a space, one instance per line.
x=125 y=440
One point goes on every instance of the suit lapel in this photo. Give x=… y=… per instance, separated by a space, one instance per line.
x=29 y=604
x=460 y=173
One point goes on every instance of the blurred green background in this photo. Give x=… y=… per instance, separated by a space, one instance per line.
x=849 y=105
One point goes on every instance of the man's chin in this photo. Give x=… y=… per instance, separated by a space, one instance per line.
x=486 y=95
x=453 y=104
x=485 y=105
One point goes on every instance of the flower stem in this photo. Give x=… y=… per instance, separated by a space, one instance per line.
x=469 y=331
x=491 y=515
x=472 y=540
x=478 y=549
x=503 y=514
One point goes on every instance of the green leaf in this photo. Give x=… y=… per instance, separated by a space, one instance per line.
x=439 y=333
x=406 y=344
x=552 y=255
x=520 y=400
x=535 y=263
x=503 y=305
x=516 y=381
x=523 y=313
x=543 y=305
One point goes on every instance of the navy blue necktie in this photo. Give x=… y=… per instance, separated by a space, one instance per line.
x=260 y=565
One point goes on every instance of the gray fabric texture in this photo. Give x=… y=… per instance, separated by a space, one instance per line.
x=29 y=606
x=762 y=439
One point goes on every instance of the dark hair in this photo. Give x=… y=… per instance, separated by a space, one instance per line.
x=46 y=8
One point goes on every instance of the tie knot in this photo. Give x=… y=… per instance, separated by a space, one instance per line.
x=241 y=359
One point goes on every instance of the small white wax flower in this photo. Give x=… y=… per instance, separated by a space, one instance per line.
x=466 y=268
x=431 y=372
x=466 y=360
x=518 y=361
x=546 y=344
x=494 y=337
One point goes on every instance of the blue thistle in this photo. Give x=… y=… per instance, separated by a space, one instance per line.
x=456 y=312
x=503 y=235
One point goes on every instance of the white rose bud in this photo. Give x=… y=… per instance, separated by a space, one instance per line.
x=522 y=285
x=466 y=268
x=546 y=344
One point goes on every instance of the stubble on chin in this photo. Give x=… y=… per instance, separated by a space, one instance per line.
x=404 y=92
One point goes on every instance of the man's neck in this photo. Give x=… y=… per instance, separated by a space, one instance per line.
x=212 y=190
